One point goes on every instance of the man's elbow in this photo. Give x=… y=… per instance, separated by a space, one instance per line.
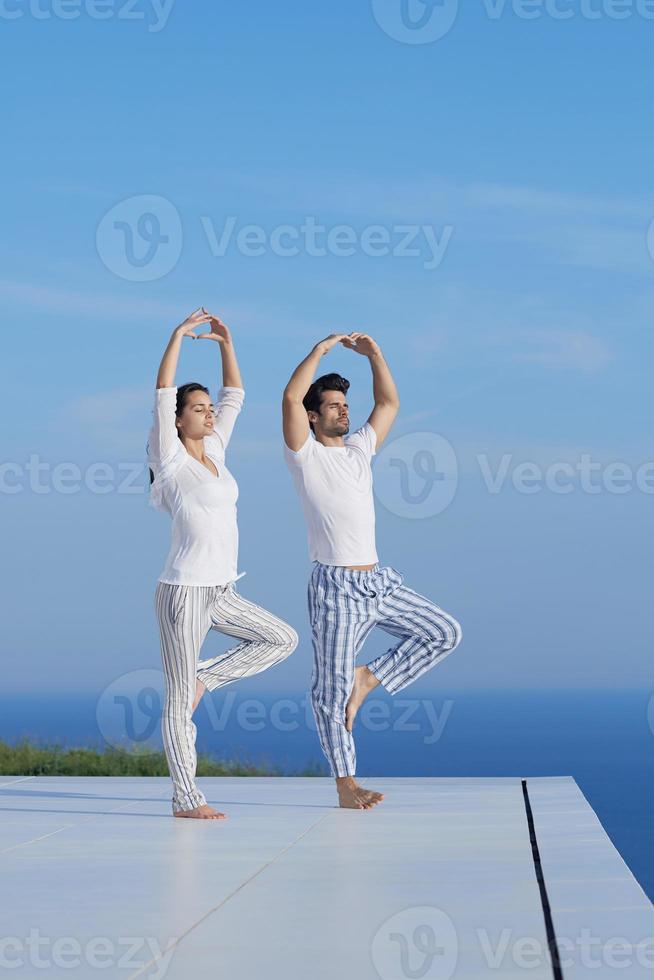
x=390 y=403
x=291 y=398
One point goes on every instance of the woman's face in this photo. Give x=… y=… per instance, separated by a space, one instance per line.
x=197 y=416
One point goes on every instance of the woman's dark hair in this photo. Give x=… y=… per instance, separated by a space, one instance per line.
x=182 y=397
x=328 y=382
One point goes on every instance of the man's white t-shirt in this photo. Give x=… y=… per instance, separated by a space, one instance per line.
x=335 y=487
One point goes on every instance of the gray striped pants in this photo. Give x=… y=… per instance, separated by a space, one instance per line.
x=344 y=605
x=186 y=613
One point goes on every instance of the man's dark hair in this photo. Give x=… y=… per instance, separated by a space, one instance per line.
x=328 y=382
x=182 y=397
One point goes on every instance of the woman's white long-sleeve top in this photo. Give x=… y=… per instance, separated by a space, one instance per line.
x=204 y=546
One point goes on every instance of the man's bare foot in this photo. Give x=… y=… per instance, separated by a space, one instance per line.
x=199 y=691
x=364 y=682
x=355 y=797
x=204 y=812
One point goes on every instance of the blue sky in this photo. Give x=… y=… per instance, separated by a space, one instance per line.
x=521 y=147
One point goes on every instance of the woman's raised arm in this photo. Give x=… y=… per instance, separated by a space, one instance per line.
x=163 y=441
x=221 y=333
x=168 y=366
x=231 y=394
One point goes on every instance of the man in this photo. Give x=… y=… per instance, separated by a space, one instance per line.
x=349 y=592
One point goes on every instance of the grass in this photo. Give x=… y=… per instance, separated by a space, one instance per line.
x=27 y=758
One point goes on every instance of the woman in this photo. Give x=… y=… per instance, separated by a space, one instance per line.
x=196 y=590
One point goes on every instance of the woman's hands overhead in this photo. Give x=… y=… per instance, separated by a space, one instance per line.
x=196 y=319
x=219 y=331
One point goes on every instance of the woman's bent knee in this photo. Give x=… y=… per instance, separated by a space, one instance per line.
x=288 y=642
x=457 y=634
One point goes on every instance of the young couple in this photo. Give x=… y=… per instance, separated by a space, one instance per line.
x=349 y=592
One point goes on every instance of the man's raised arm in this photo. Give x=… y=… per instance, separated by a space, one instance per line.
x=387 y=399
x=294 y=415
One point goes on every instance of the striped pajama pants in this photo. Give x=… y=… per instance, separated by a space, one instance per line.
x=344 y=605
x=186 y=613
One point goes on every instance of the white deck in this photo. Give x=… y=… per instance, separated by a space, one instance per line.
x=433 y=883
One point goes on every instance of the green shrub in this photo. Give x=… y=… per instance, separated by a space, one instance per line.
x=26 y=758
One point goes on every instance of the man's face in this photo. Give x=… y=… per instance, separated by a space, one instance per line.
x=334 y=417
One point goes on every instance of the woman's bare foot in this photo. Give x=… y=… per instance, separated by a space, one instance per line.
x=364 y=682
x=199 y=691
x=204 y=812
x=355 y=797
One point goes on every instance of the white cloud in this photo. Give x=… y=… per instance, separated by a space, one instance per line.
x=113 y=421
x=52 y=299
x=77 y=302
x=577 y=229
x=418 y=194
x=428 y=343
x=537 y=200
x=564 y=349
x=493 y=331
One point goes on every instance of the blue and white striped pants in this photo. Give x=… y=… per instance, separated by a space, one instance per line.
x=344 y=605
x=186 y=613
